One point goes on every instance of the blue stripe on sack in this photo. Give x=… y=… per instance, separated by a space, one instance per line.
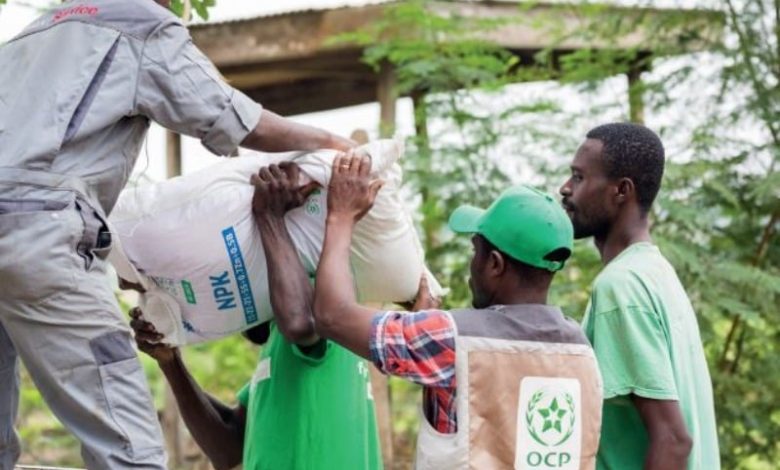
x=240 y=273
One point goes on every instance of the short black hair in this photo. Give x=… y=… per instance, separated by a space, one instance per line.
x=525 y=270
x=633 y=151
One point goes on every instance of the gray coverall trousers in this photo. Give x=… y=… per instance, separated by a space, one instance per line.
x=59 y=315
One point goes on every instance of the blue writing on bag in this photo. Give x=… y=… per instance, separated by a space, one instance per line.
x=224 y=297
x=240 y=273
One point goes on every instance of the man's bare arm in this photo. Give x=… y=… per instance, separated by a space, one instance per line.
x=337 y=314
x=217 y=428
x=274 y=133
x=277 y=191
x=670 y=443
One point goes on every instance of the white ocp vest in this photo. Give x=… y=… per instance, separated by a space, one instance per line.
x=529 y=394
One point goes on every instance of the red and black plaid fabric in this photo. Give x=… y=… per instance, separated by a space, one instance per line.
x=420 y=347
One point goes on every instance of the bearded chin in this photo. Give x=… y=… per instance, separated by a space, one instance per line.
x=591 y=228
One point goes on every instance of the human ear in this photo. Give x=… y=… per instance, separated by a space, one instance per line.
x=625 y=190
x=496 y=263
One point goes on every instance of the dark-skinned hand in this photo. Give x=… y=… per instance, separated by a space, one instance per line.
x=148 y=339
x=351 y=192
x=277 y=190
x=424 y=300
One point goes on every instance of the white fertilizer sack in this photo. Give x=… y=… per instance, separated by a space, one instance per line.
x=193 y=244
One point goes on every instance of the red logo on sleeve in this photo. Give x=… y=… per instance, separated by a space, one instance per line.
x=79 y=10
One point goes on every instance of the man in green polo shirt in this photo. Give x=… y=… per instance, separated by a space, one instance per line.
x=658 y=408
x=308 y=405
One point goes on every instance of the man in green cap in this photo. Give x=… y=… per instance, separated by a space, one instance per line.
x=509 y=383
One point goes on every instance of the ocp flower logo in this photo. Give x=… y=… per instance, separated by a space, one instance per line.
x=549 y=429
x=550 y=417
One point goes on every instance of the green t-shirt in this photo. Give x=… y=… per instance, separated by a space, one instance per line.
x=644 y=332
x=309 y=411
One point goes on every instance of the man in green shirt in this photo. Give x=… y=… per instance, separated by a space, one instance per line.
x=308 y=405
x=658 y=409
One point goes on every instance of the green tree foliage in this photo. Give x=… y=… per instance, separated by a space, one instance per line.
x=440 y=60
x=201 y=7
x=720 y=220
x=717 y=216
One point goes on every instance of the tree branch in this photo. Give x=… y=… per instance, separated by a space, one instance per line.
x=758 y=87
x=767 y=118
x=763 y=246
x=740 y=344
x=766 y=237
x=777 y=37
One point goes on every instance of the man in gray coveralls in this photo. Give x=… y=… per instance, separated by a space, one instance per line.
x=77 y=90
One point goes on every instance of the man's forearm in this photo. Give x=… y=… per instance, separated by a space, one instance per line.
x=336 y=311
x=292 y=295
x=274 y=133
x=670 y=444
x=217 y=429
x=667 y=454
x=334 y=288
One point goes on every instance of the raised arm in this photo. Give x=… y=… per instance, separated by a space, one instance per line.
x=217 y=428
x=181 y=89
x=338 y=315
x=274 y=133
x=292 y=296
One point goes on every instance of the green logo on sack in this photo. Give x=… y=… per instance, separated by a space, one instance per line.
x=189 y=294
x=550 y=417
x=313 y=206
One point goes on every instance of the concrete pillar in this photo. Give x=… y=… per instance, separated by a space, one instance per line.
x=430 y=225
x=169 y=416
x=387 y=95
x=380 y=388
x=172 y=428
x=173 y=154
x=421 y=121
x=636 y=105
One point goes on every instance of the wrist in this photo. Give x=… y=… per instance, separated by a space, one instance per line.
x=268 y=218
x=339 y=219
x=340 y=143
x=171 y=363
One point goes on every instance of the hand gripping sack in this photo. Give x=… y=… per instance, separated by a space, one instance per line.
x=192 y=243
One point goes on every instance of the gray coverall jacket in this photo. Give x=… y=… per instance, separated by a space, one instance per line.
x=77 y=90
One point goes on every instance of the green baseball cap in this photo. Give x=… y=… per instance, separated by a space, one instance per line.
x=525 y=223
